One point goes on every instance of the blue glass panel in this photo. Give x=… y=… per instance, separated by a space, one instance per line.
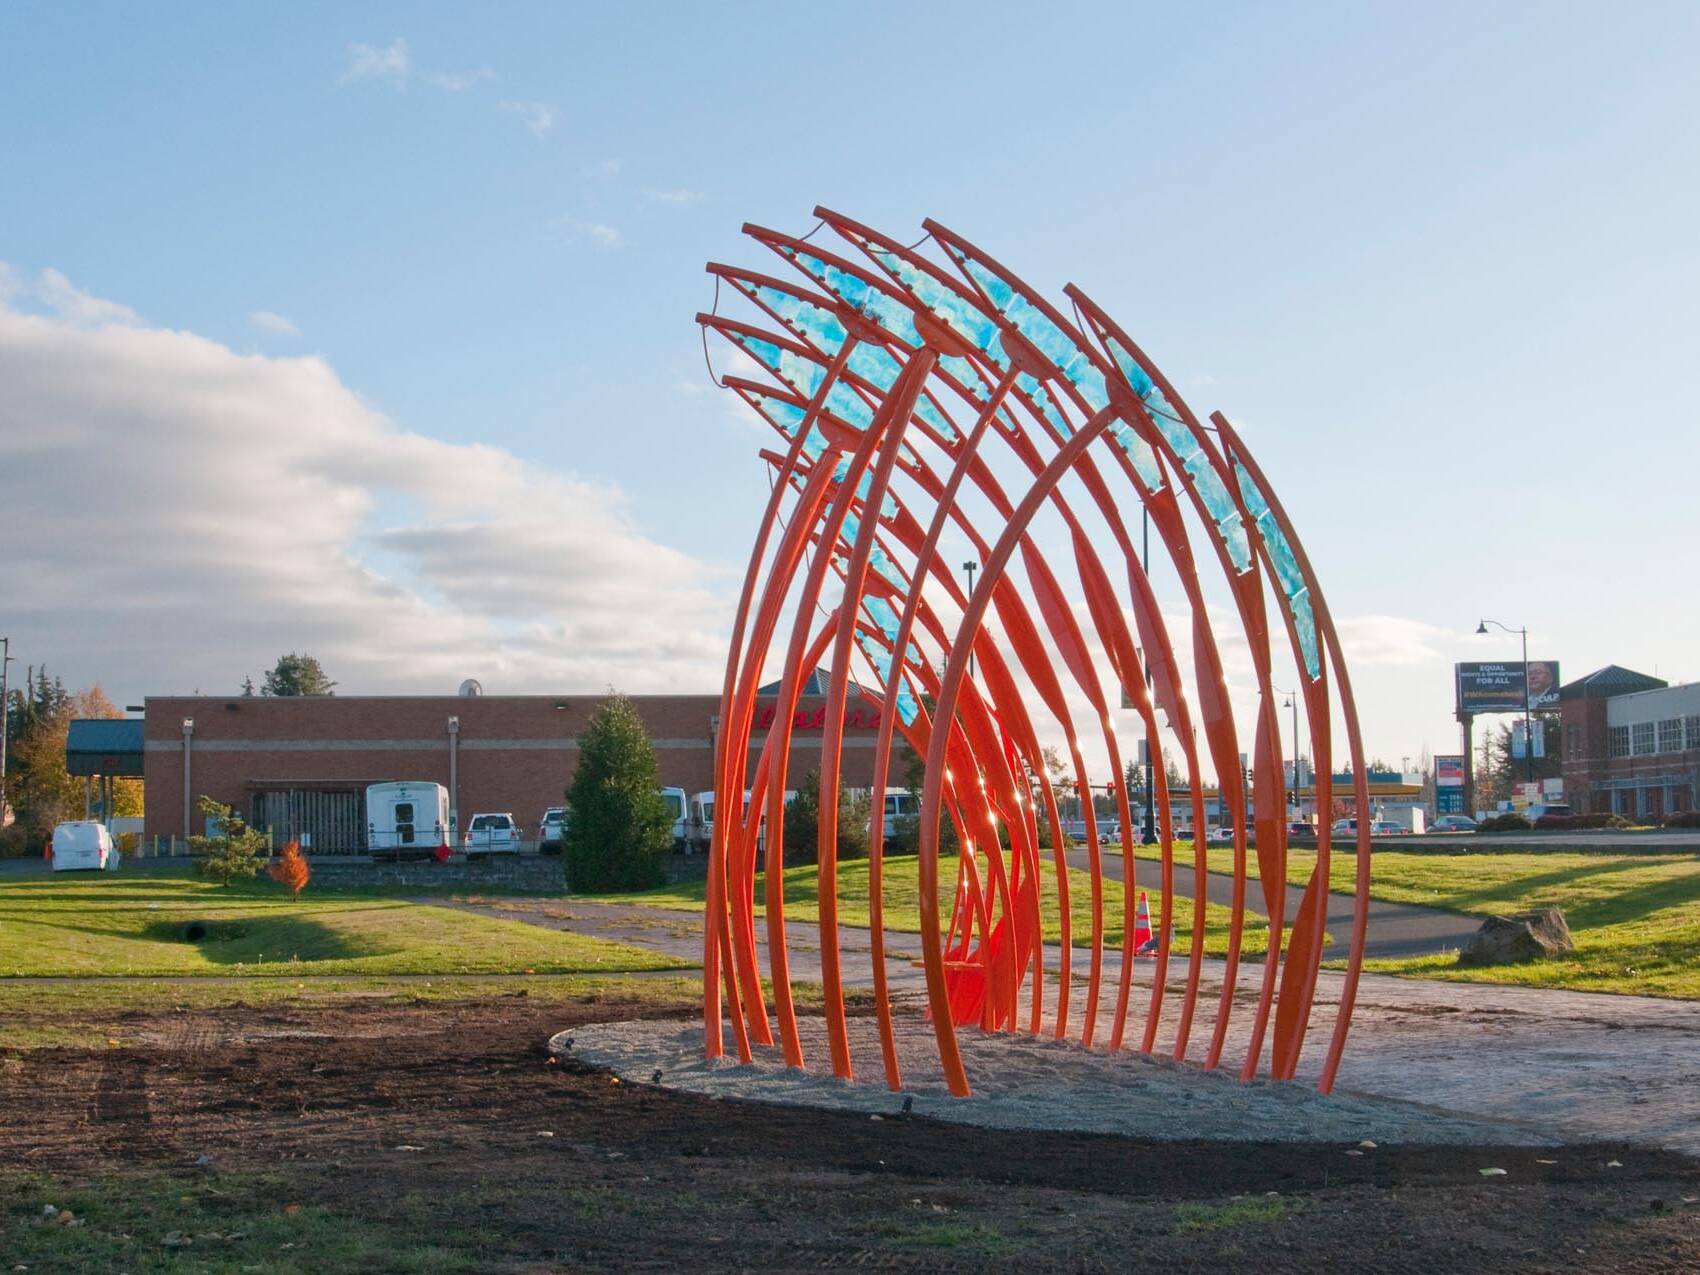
x=873 y=364
x=907 y=707
x=928 y=412
x=820 y=325
x=880 y=612
x=888 y=506
x=1305 y=622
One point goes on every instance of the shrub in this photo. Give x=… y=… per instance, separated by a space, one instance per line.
x=1570 y=823
x=291 y=870
x=236 y=851
x=802 y=823
x=1504 y=823
x=619 y=830
x=1687 y=819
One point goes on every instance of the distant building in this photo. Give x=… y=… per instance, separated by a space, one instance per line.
x=301 y=765
x=1631 y=744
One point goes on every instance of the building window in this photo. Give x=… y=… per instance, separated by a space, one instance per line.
x=1693 y=733
x=1574 y=732
x=1670 y=735
x=1617 y=741
x=1641 y=736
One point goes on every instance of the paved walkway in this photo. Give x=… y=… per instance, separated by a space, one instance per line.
x=1395 y=929
x=1575 y=1064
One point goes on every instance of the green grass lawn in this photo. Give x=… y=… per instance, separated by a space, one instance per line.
x=136 y=926
x=903 y=907
x=1635 y=915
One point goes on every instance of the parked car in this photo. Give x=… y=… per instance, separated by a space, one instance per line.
x=549 y=831
x=81 y=844
x=1299 y=830
x=492 y=834
x=1387 y=828
x=1453 y=823
x=1222 y=835
x=699 y=826
x=1343 y=828
x=1543 y=809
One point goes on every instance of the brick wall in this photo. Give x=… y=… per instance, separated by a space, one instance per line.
x=515 y=753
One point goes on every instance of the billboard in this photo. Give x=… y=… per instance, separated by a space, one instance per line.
x=1498 y=688
x=1449 y=771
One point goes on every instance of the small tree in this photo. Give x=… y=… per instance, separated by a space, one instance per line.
x=291 y=870
x=297 y=675
x=619 y=827
x=802 y=823
x=236 y=850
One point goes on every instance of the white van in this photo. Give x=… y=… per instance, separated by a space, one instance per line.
x=81 y=845
x=678 y=811
x=699 y=829
x=407 y=818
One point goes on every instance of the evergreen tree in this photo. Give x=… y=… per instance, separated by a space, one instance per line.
x=297 y=674
x=802 y=823
x=618 y=829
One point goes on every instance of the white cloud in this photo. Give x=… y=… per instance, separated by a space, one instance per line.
x=283 y=512
x=460 y=81
x=675 y=196
x=605 y=168
x=539 y=117
x=369 y=62
x=74 y=305
x=599 y=233
x=276 y=324
x=1390 y=640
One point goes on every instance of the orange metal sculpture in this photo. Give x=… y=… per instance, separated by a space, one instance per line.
x=932 y=394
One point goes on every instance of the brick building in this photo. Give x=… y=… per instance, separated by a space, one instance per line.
x=303 y=764
x=1631 y=744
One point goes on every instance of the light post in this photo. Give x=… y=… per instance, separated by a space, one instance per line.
x=970 y=567
x=1292 y=702
x=1528 y=716
x=1150 y=746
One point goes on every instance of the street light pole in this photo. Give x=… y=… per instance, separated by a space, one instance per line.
x=969 y=567
x=1292 y=702
x=1528 y=714
x=1150 y=746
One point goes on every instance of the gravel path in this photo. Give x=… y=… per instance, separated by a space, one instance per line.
x=1572 y=1064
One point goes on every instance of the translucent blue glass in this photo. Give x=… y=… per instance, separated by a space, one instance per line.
x=820 y=325
x=907 y=707
x=880 y=612
x=1304 y=622
x=872 y=303
x=864 y=485
x=888 y=569
x=928 y=411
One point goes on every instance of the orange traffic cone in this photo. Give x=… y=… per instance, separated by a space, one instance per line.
x=1144 y=941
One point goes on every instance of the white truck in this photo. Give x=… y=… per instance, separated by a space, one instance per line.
x=82 y=845
x=408 y=818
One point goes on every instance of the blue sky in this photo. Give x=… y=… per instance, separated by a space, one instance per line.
x=1439 y=259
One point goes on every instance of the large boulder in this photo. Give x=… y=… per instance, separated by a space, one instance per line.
x=1527 y=936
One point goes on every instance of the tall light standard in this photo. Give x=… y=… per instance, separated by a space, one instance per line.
x=1528 y=717
x=1150 y=837
x=970 y=567
x=1292 y=702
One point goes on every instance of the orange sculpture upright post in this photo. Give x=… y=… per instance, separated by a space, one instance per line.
x=926 y=392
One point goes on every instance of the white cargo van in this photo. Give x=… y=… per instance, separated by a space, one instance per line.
x=674 y=800
x=407 y=818
x=80 y=845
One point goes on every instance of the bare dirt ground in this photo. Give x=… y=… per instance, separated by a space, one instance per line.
x=452 y=1119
